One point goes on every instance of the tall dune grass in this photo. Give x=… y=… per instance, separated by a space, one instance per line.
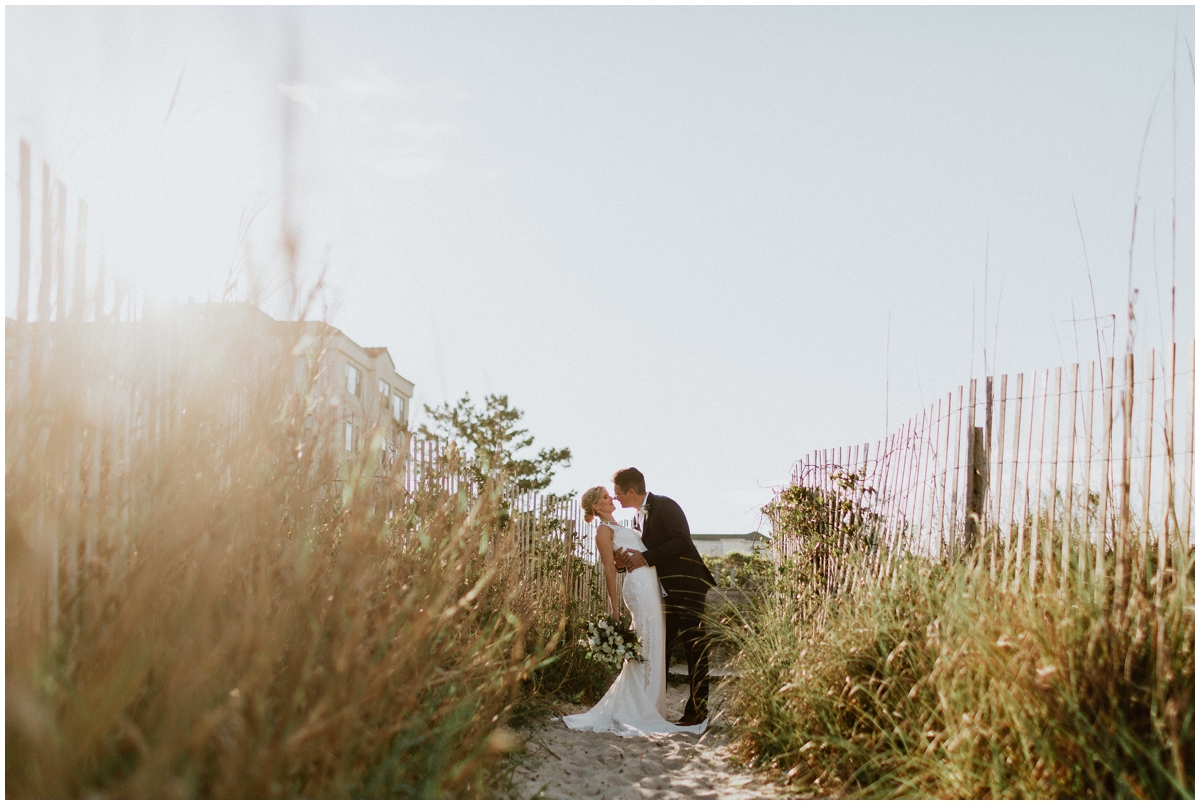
x=231 y=613
x=944 y=685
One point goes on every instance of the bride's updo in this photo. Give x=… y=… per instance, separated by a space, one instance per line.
x=589 y=502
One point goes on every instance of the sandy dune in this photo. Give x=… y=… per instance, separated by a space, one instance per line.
x=565 y=764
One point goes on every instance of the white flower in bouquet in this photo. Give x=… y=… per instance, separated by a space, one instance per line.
x=611 y=644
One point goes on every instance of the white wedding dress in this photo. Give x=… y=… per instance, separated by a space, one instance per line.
x=636 y=702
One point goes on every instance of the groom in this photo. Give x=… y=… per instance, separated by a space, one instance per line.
x=684 y=576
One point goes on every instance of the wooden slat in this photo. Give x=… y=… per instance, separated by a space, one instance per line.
x=891 y=477
x=1050 y=518
x=43 y=306
x=849 y=537
x=895 y=519
x=909 y=455
x=972 y=399
x=1086 y=561
x=861 y=504
x=989 y=507
x=929 y=483
x=849 y=533
x=1069 y=487
x=926 y=537
x=957 y=500
x=1190 y=459
x=997 y=480
x=1122 y=541
x=1010 y=551
x=1036 y=531
x=1143 y=567
x=1024 y=487
x=60 y=262
x=943 y=418
x=1105 y=467
x=879 y=469
x=910 y=486
x=887 y=469
x=25 y=183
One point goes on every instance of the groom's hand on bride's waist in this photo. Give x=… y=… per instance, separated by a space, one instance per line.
x=630 y=559
x=619 y=559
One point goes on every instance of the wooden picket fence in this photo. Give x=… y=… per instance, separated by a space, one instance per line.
x=94 y=390
x=1087 y=471
x=77 y=439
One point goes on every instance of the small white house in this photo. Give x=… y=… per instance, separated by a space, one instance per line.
x=721 y=544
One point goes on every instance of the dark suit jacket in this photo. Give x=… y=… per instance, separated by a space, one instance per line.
x=670 y=551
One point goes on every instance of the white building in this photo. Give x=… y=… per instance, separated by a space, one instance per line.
x=721 y=544
x=353 y=394
x=358 y=388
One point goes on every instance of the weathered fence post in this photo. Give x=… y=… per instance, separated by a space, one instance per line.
x=976 y=488
x=989 y=525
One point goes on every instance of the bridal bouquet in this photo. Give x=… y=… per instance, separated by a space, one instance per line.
x=610 y=643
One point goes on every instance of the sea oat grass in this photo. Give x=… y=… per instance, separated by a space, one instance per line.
x=944 y=685
x=247 y=621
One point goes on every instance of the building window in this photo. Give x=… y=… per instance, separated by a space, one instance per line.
x=353 y=379
x=385 y=391
x=350 y=437
x=397 y=408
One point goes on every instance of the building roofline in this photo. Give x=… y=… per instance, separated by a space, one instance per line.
x=752 y=536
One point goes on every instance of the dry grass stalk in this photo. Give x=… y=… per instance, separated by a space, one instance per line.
x=201 y=603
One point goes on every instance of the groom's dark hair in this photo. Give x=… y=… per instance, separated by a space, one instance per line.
x=631 y=480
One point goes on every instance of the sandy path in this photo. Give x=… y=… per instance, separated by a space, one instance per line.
x=565 y=764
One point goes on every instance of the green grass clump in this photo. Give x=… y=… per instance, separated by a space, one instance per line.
x=568 y=675
x=943 y=685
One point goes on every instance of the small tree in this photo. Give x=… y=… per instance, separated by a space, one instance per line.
x=489 y=440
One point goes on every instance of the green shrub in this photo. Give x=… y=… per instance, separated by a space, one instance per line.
x=742 y=570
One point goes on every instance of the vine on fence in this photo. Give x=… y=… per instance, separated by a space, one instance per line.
x=817 y=526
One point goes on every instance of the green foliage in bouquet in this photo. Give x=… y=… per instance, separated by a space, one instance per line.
x=610 y=643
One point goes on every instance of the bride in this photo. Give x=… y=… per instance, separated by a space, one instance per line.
x=636 y=702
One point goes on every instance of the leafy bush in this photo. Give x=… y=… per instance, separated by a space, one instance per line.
x=741 y=570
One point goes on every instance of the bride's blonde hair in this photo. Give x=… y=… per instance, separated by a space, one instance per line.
x=589 y=502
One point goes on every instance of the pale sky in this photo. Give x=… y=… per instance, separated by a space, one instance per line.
x=674 y=236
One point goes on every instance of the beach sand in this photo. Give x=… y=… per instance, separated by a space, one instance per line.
x=566 y=764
